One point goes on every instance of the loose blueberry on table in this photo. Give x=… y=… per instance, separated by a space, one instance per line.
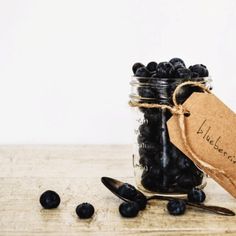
x=49 y=199
x=129 y=209
x=85 y=210
x=165 y=168
x=176 y=207
x=196 y=195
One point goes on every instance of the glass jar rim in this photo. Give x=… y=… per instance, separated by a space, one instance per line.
x=137 y=80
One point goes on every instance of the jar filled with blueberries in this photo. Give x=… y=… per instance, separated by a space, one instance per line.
x=159 y=166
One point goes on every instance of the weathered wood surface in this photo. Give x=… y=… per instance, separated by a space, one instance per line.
x=74 y=172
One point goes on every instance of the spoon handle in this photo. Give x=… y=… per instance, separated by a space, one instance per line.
x=214 y=209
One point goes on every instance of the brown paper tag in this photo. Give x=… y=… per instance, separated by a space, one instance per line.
x=210 y=135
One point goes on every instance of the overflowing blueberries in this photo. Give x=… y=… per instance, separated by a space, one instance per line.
x=164 y=167
x=85 y=210
x=136 y=66
x=49 y=199
x=129 y=209
x=199 y=70
x=164 y=70
x=196 y=195
x=176 y=207
x=151 y=66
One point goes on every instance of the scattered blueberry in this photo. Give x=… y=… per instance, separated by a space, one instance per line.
x=127 y=191
x=199 y=69
x=84 y=210
x=49 y=199
x=176 y=207
x=136 y=66
x=196 y=195
x=151 y=66
x=129 y=209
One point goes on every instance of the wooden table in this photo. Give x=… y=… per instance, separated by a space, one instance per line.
x=74 y=172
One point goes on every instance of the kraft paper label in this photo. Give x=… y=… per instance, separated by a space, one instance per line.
x=210 y=135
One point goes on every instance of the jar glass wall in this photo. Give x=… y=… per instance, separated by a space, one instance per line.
x=159 y=166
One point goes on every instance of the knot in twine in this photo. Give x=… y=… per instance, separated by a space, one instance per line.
x=176 y=109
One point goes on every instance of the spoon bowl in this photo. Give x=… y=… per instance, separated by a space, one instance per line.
x=113 y=185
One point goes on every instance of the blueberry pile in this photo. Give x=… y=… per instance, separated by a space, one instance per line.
x=165 y=168
x=175 y=68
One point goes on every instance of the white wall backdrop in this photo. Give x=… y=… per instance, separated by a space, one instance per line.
x=65 y=65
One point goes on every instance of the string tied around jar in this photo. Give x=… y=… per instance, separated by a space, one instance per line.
x=176 y=109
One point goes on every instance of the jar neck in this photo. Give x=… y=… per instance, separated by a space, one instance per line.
x=160 y=90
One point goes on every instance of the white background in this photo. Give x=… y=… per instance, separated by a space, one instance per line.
x=65 y=65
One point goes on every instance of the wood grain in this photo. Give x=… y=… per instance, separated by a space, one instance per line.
x=75 y=172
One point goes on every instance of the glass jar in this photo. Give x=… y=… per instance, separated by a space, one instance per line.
x=159 y=166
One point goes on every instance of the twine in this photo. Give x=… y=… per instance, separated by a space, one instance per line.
x=176 y=108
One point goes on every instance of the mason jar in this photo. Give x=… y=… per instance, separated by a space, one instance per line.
x=159 y=166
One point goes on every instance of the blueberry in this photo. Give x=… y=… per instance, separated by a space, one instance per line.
x=197 y=176
x=49 y=199
x=154 y=75
x=196 y=195
x=147 y=155
x=151 y=66
x=127 y=191
x=174 y=173
x=199 y=69
x=177 y=60
x=178 y=65
x=84 y=210
x=136 y=66
x=142 y=72
x=194 y=75
x=146 y=162
x=153 y=119
x=147 y=133
x=152 y=178
x=176 y=207
x=183 y=73
x=164 y=70
x=186 y=181
x=141 y=200
x=146 y=92
x=129 y=209
x=184 y=163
